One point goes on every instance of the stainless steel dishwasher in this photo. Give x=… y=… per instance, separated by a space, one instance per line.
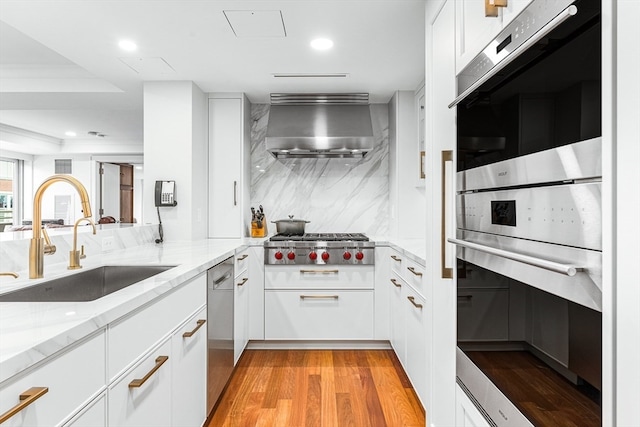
x=219 y=329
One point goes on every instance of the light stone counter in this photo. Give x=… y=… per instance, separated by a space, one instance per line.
x=415 y=249
x=32 y=331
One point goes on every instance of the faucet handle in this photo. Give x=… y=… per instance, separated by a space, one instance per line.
x=49 y=249
x=82 y=254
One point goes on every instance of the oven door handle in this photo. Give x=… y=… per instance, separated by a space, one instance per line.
x=566 y=269
x=562 y=16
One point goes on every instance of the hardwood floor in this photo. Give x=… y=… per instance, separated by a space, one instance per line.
x=319 y=388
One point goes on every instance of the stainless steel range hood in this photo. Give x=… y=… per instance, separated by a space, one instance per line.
x=319 y=130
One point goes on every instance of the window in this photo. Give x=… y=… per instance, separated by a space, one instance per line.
x=10 y=191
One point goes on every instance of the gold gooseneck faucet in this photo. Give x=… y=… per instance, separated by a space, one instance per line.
x=37 y=248
x=76 y=255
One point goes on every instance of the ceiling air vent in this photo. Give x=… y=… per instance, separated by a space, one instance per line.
x=63 y=166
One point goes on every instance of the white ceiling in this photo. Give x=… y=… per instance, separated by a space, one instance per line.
x=61 y=68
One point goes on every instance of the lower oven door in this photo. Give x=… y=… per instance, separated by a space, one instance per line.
x=526 y=356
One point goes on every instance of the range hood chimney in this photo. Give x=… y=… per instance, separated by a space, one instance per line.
x=319 y=125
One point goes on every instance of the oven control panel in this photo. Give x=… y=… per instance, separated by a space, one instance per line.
x=285 y=253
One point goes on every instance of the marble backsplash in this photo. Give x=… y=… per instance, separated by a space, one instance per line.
x=14 y=246
x=335 y=195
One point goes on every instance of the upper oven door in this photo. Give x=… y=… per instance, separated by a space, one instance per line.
x=536 y=86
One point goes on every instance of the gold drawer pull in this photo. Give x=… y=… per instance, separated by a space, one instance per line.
x=199 y=324
x=413 y=270
x=244 y=280
x=26 y=399
x=138 y=382
x=320 y=271
x=243 y=257
x=395 y=283
x=319 y=296
x=415 y=304
x=395 y=258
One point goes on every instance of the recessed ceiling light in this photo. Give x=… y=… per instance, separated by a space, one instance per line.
x=321 y=44
x=127 y=45
x=70 y=133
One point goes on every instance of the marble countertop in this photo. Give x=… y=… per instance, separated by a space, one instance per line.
x=31 y=331
x=416 y=249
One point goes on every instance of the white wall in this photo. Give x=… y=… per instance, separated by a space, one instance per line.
x=175 y=135
x=626 y=208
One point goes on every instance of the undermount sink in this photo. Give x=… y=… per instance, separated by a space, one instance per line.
x=88 y=285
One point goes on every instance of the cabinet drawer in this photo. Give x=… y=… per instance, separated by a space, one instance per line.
x=397 y=261
x=149 y=404
x=132 y=336
x=319 y=277
x=313 y=315
x=241 y=262
x=415 y=275
x=72 y=378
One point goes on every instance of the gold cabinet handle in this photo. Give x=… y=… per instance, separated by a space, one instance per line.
x=199 y=324
x=319 y=296
x=243 y=257
x=395 y=283
x=244 y=280
x=413 y=270
x=138 y=382
x=415 y=304
x=491 y=7
x=395 y=258
x=26 y=399
x=446 y=272
x=319 y=271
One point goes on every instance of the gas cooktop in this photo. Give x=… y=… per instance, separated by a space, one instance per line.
x=319 y=249
x=321 y=237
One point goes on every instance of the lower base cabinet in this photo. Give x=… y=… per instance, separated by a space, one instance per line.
x=319 y=315
x=148 y=403
x=189 y=385
x=467 y=415
x=418 y=332
x=94 y=415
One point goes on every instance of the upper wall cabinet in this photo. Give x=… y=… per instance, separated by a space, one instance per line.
x=229 y=165
x=474 y=29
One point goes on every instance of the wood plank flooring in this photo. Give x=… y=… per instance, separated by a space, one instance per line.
x=545 y=397
x=319 y=388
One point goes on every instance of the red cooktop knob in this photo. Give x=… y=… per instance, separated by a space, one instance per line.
x=278 y=255
x=313 y=255
x=346 y=255
x=325 y=256
x=291 y=255
x=359 y=256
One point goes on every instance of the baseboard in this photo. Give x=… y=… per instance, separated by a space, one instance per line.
x=317 y=345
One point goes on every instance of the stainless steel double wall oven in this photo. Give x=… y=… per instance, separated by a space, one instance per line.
x=529 y=230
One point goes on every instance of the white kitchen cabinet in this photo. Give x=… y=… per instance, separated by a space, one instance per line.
x=189 y=373
x=467 y=415
x=410 y=320
x=241 y=308
x=148 y=404
x=319 y=277
x=474 y=30
x=67 y=381
x=256 y=293
x=229 y=165
x=93 y=415
x=319 y=315
x=132 y=336
x=398 y=335
x=418 y=340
